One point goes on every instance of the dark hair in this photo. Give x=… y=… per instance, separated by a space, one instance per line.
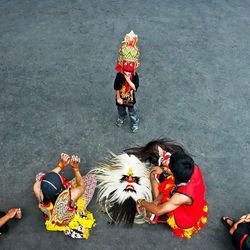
x=124 y=212
x=150 y=151
x=182 y=166
x=51 y=187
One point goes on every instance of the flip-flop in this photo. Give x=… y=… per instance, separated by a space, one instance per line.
x=225 y=219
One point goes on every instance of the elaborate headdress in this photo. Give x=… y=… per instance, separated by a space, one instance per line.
x=129 y=52
x=122 y=181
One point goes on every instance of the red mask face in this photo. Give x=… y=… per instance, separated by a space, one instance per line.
x=128 y=66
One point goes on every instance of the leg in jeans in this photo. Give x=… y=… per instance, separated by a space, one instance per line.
x=122 y=115
x=133 y=119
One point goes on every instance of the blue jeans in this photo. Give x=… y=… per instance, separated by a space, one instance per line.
x=131 y=112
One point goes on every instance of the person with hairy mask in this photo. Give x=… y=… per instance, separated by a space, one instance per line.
x=177 y=185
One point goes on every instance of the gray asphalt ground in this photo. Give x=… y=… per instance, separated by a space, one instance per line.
x=57 y=63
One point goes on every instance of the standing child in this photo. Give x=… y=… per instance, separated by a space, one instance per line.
x=127 y=80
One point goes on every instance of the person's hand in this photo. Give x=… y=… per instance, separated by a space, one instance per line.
x=245 y=217
x=127 y=78
x=157 y=202
x=139 y=206
x=132 y=85
x=18 y=214
x=75 y=163
x=155 y=170
x=235 y=225
x=14 y=213
x=64 y=161
x=149 y=218
x=120 y=101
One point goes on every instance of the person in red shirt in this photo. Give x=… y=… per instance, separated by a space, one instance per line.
x=181 y=197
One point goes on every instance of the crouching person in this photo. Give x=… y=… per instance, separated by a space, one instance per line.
x=180 y=201
x=63 y=203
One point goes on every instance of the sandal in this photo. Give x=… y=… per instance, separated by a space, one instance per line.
x=225 y=219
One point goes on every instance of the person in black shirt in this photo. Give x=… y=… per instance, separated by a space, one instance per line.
x=127 y=81
x=239 y=230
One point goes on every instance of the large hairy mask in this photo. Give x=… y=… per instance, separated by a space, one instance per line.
x=122 y=181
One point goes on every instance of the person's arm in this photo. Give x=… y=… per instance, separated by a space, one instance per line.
x=175 y=201
x=117 y=86
x=118 y=97
x=246 y=217
x=158 y=199
x=131 y=84
x=154 y=183
x=4 y=219
x=10 y=215
x=63 y=163
x=80 y=189
x=37 y=190
x=243 y=219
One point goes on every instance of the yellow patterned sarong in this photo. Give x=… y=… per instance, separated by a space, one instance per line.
x=188 y=232
x=74 y=222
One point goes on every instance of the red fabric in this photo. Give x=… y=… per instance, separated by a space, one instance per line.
x=187 y=215
x=64 y=182
x=128 y=66
x=166 y=187
x=242 y=240
x=121 y=70
x=118 y=67
x=127 y=86
x=41 y=177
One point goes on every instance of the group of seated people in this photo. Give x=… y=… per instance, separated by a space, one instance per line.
x=178 y=192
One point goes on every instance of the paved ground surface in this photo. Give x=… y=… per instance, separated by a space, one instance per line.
x=56 y=79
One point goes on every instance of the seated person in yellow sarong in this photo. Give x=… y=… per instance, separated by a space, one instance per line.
x=64 y=203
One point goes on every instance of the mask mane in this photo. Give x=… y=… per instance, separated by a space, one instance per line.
x=123 y=179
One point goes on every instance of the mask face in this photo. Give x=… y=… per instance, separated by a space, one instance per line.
x=121 y=184
x=128 y=66
x=130 y=182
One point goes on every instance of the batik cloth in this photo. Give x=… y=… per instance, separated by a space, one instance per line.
x=75 y=222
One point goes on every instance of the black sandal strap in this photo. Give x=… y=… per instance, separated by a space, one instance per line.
x=224 y=220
